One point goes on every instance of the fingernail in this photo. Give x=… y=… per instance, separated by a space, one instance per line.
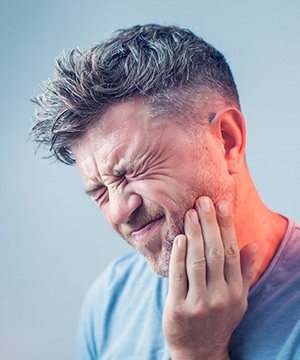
x=181 y=242
x=205 y=204
x=223 y=208
x=193 y=217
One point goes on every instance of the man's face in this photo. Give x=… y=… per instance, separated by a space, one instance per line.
x=145 y=173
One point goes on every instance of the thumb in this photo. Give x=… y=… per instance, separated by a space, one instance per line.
x=248 y=255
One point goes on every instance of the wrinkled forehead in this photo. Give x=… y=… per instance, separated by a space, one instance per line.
x=126 y=131
x=129 y=130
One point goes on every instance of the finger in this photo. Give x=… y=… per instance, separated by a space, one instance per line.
x=195 y=260
x=177 y=271
x=232 y=267
x=248 y=255
x=214 y=252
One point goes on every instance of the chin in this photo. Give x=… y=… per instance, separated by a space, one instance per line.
x=160 y=265
x=162 y=271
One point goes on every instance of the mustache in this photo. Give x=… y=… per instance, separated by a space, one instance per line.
x=141 y=217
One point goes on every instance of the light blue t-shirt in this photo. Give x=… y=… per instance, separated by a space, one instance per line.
x=122 y=314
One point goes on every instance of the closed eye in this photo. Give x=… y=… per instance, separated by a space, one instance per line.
x=92 y=192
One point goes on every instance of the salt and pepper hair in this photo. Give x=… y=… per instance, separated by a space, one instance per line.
x=164 y=65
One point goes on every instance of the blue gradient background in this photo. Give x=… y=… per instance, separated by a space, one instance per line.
x=53 y=240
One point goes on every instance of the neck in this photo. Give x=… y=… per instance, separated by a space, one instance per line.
x=255 y=222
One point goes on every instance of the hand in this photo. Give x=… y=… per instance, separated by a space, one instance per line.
x=209 y=281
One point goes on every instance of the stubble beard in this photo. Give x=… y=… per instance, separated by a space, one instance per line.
x=160 y=264
x=217 y=190
x=173 y=225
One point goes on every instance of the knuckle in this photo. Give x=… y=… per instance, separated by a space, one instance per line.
x=179 y=315
x=177 y=277
x=215 y=253
x=198 y=264
x=201 y=310
x=231 y=251
x=237 y=295
x=175 y=312
x=196 y=311
x=218 y=303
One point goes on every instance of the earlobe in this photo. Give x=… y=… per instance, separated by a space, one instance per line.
x=230 y=125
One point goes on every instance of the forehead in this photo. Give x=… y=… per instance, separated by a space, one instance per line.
x=127 y=132
x=125 y=122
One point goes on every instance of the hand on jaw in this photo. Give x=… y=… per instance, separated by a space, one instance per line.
x=209 y=281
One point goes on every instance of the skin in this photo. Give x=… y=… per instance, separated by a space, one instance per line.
x=138 y=180
x=188 y=204
x=209 y=284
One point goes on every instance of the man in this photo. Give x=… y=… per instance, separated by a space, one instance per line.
x=152 y=119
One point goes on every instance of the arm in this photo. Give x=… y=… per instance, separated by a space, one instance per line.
x=209 y=281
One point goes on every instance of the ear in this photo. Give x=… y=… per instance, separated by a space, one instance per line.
x=229 y=125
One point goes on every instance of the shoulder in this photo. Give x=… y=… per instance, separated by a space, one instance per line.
x=119 y=277
x=122 y=269
x=125 y=301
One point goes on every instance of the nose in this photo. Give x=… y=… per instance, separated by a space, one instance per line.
x=122 y=204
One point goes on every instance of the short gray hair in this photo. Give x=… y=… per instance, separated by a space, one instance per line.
x=165 y=65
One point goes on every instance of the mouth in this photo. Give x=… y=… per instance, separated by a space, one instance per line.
x=146 y=229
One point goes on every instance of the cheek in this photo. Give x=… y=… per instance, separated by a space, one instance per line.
x=167 y=194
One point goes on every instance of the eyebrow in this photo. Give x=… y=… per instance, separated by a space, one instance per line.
x=92 y=190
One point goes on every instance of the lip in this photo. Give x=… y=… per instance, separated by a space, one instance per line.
x=147 y=229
